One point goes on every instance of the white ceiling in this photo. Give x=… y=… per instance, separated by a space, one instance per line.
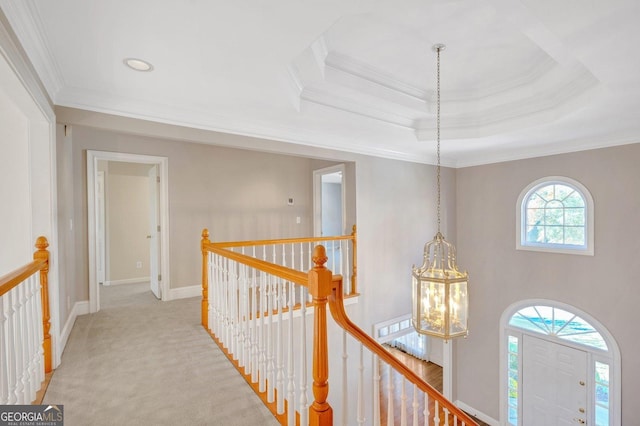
x=519 y=78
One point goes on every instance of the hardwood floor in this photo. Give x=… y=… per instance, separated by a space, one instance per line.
x=430 y=373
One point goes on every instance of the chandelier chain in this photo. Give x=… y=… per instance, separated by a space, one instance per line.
x=438 y=133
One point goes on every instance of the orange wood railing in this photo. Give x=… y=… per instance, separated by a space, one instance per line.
x=13 y=281
x=325 y=289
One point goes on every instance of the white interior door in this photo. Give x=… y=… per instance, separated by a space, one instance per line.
x=554 y=384
x=154 y=233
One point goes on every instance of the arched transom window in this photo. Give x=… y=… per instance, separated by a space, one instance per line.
x=555 y=214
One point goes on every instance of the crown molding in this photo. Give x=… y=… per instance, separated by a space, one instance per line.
x=565 y=95
x=208 y=121
x=27 y=24
x=22 y=67
x=575 y=145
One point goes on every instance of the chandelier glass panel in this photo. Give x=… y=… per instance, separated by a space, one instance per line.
x=440 y=290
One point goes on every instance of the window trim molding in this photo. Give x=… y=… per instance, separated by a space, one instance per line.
x=612 y=355
x=588 y=250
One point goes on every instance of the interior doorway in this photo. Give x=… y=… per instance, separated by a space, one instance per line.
x=155 y=212
x=329 y=201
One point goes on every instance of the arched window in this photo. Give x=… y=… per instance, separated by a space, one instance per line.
x=555 y=214
x=548 y=347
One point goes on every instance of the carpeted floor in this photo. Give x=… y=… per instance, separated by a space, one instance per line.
x=140 y=361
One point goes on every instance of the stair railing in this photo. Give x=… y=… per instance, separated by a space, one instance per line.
x=257 y=310
x=25 y=341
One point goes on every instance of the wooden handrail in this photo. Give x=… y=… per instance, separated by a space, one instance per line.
x=336 y=306
x=324 y=288
x=261 y=265
x=207 y=245
x=13 y=279
x=282 y=241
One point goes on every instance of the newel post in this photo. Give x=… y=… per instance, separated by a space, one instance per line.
x=205 y=278
x=43 y=254
x=320 y=412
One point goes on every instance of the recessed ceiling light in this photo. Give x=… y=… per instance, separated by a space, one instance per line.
x=138 y=64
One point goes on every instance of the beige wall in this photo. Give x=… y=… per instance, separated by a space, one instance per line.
x=241 y=194
x=604 y=285
x=237 y=194
x=16 y=247
x=127 y=221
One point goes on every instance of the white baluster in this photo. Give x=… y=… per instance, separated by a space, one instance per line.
x=12 y=364
x=347 y=268
x=291 y=384
x=218 y=297
x=254 y=321
x=273 y=255
x=390 y=396
x=436 y=413
x=33 y=344
x=360 y=413
x=262 y=333
x=224 y=304
x=270 y=341
x=214 y=296
x=233 y=285
x=446 y=416
x=246 y=330
x=415 y=405
x=280 y=300
x=39 y=333
x=426 y=409
x=376 y=391
x=20 y=365
x=304 y=401
x=403 y=404
x=345 y=384
x=4 y=348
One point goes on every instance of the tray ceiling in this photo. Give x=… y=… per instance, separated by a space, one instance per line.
x=519 y=78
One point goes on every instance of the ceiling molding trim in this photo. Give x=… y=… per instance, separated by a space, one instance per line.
x=356 y=106
x=27 y=24
x=243 y=127
x=546 y=106
x=320 y=51
x=363 y=71
x=481 y=159
x=23 y=69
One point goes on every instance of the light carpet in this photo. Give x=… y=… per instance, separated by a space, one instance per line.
x=140 y=361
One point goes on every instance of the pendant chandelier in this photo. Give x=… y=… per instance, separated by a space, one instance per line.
x=440 y=298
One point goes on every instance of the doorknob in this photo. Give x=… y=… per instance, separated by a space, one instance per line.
x=581 y=421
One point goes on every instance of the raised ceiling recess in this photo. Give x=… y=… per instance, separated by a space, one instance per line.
x=495 y=78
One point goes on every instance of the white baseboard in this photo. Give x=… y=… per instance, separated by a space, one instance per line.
x=79 y=308
x=185 y=292
x=477 y=414
x=128 y=281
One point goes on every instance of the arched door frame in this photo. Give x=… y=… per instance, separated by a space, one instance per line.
x=612 y=355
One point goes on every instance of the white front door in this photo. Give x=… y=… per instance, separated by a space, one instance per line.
x=554 y=384
x=154 y=233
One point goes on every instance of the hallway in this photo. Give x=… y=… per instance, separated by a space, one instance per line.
x=145 y=362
